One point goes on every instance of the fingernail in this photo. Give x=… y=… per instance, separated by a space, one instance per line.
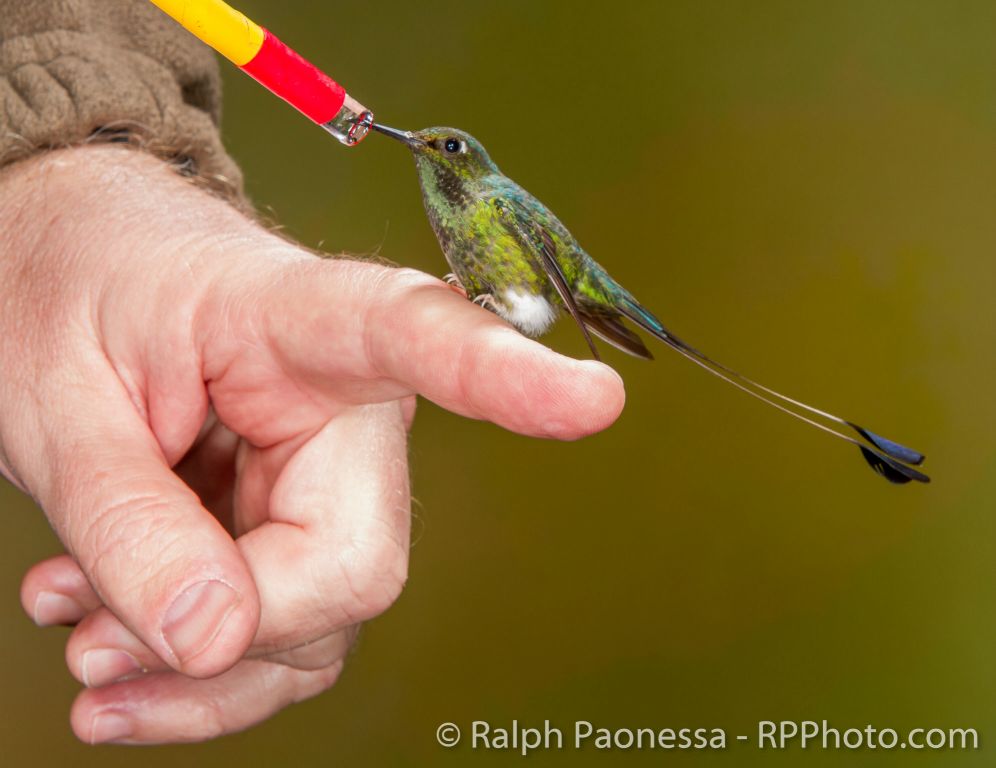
x=100 y=666
x=197 y=616
x=109 y=726
x=53 y=608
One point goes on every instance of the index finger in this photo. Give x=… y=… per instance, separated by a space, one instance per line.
x=347 y=326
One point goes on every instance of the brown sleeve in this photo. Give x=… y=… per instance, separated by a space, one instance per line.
x=73 y=69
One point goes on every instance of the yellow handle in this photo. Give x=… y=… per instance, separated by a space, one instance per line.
x=229 y=32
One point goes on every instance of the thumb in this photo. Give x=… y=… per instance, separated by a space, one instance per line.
x=157 y=559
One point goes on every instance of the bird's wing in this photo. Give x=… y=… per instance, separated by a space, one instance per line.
x=536 y=239
x=609 y=328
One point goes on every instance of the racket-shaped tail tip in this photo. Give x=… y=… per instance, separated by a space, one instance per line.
x=891 y=469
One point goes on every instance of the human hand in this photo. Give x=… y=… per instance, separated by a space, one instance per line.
x=213 y=421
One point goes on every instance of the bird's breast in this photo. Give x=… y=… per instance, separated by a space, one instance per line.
x=489 y=259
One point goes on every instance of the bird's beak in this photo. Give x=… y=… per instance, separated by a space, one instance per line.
x=405 y=137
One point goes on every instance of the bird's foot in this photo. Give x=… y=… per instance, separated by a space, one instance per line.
x=486 y=301
x=454 y=282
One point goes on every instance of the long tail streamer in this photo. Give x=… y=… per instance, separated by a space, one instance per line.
x=890 y=459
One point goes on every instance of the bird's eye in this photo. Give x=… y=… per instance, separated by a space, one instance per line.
x=453 y=145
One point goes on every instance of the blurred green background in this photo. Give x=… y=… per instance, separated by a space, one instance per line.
x=804 y=190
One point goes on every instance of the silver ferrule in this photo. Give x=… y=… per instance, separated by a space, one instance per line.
x=351 y=124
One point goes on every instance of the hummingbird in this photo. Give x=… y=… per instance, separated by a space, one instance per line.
x=510 y=254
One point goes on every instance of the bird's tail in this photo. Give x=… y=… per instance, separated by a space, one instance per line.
x=890 y=459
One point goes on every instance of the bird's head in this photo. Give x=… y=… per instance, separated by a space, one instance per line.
x=448 y=150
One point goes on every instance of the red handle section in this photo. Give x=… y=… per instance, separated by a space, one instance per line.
x=296 y=80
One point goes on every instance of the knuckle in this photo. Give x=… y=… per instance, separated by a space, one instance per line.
x=109 y=536
x=391 y=287
x=387 y=290
x=374 y=572
x=485 y=363
x=208 y=715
